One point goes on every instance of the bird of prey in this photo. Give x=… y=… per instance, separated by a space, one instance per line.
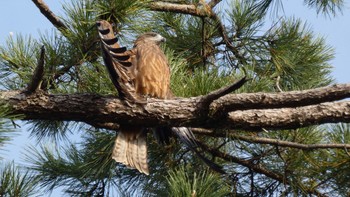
x=140 y=72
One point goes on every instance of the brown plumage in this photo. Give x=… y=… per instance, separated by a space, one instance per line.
x=117 y=61
x=152 y=74
x=140 y=72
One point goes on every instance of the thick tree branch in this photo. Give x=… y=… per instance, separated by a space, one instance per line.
x=99 y=110
x=290 y=118
x=243 y=101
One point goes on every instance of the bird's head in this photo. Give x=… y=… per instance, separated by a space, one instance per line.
x=150 y=37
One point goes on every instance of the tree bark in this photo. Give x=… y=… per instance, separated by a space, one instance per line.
x=252 y=111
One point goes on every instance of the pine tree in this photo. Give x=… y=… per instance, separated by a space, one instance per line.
x=208 y=47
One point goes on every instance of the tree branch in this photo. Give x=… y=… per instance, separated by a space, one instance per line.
x=209 y=98
x=200 y=11
x=256 y=167
x=290 y=118
x=213 y=3
x=270 y=141
x=282 y=143
x=177 y=8
x=243 y=101
x=183 y=112
x=38 y=74
x=45 y=10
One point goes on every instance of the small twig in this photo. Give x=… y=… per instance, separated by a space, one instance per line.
x=104 y=125
x=213 y=3
x=207 y=99
x=204 y=59
x=278 y=83
x=38 y=74
x=270 y=141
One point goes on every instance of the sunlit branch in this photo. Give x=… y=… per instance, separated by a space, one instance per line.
x=45 y=10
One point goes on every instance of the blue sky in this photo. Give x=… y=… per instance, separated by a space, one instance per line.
x=22 y=17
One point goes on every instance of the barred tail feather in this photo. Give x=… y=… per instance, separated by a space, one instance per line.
x=119 y=150
x=130 y=149
x=142 y=154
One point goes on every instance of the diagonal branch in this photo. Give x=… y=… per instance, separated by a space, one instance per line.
x=206 y=100
x=45 y=10
x=38 y=75
x=256 y=167
x=213 y=3
x=282 y=143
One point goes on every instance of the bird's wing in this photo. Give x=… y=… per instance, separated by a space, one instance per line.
x=118 y=62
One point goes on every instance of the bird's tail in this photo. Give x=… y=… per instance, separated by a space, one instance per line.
x=130 y=149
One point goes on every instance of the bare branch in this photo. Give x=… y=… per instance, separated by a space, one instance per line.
x=45 y=10
x=213 y=3
x=282 y=143
x=177 y=8
x=209 y=98
x=264 y=140
x=38 y=75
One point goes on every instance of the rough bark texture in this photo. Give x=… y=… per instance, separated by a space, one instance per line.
x=290 y=118
x=252 y=111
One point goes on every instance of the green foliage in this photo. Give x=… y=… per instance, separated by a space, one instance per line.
x=7 y=128
x=288 y=56
x=200 y=81
x=17 y=60
x=94 y=79
x=300 y=59
x=47 y=129
x=81 y=33
x=183 y=183
x=185 y=36
x=14 y=182
x=82 y=170
x=246 y=17
x=120 y=12
x=327 y=7
x=339 y=160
